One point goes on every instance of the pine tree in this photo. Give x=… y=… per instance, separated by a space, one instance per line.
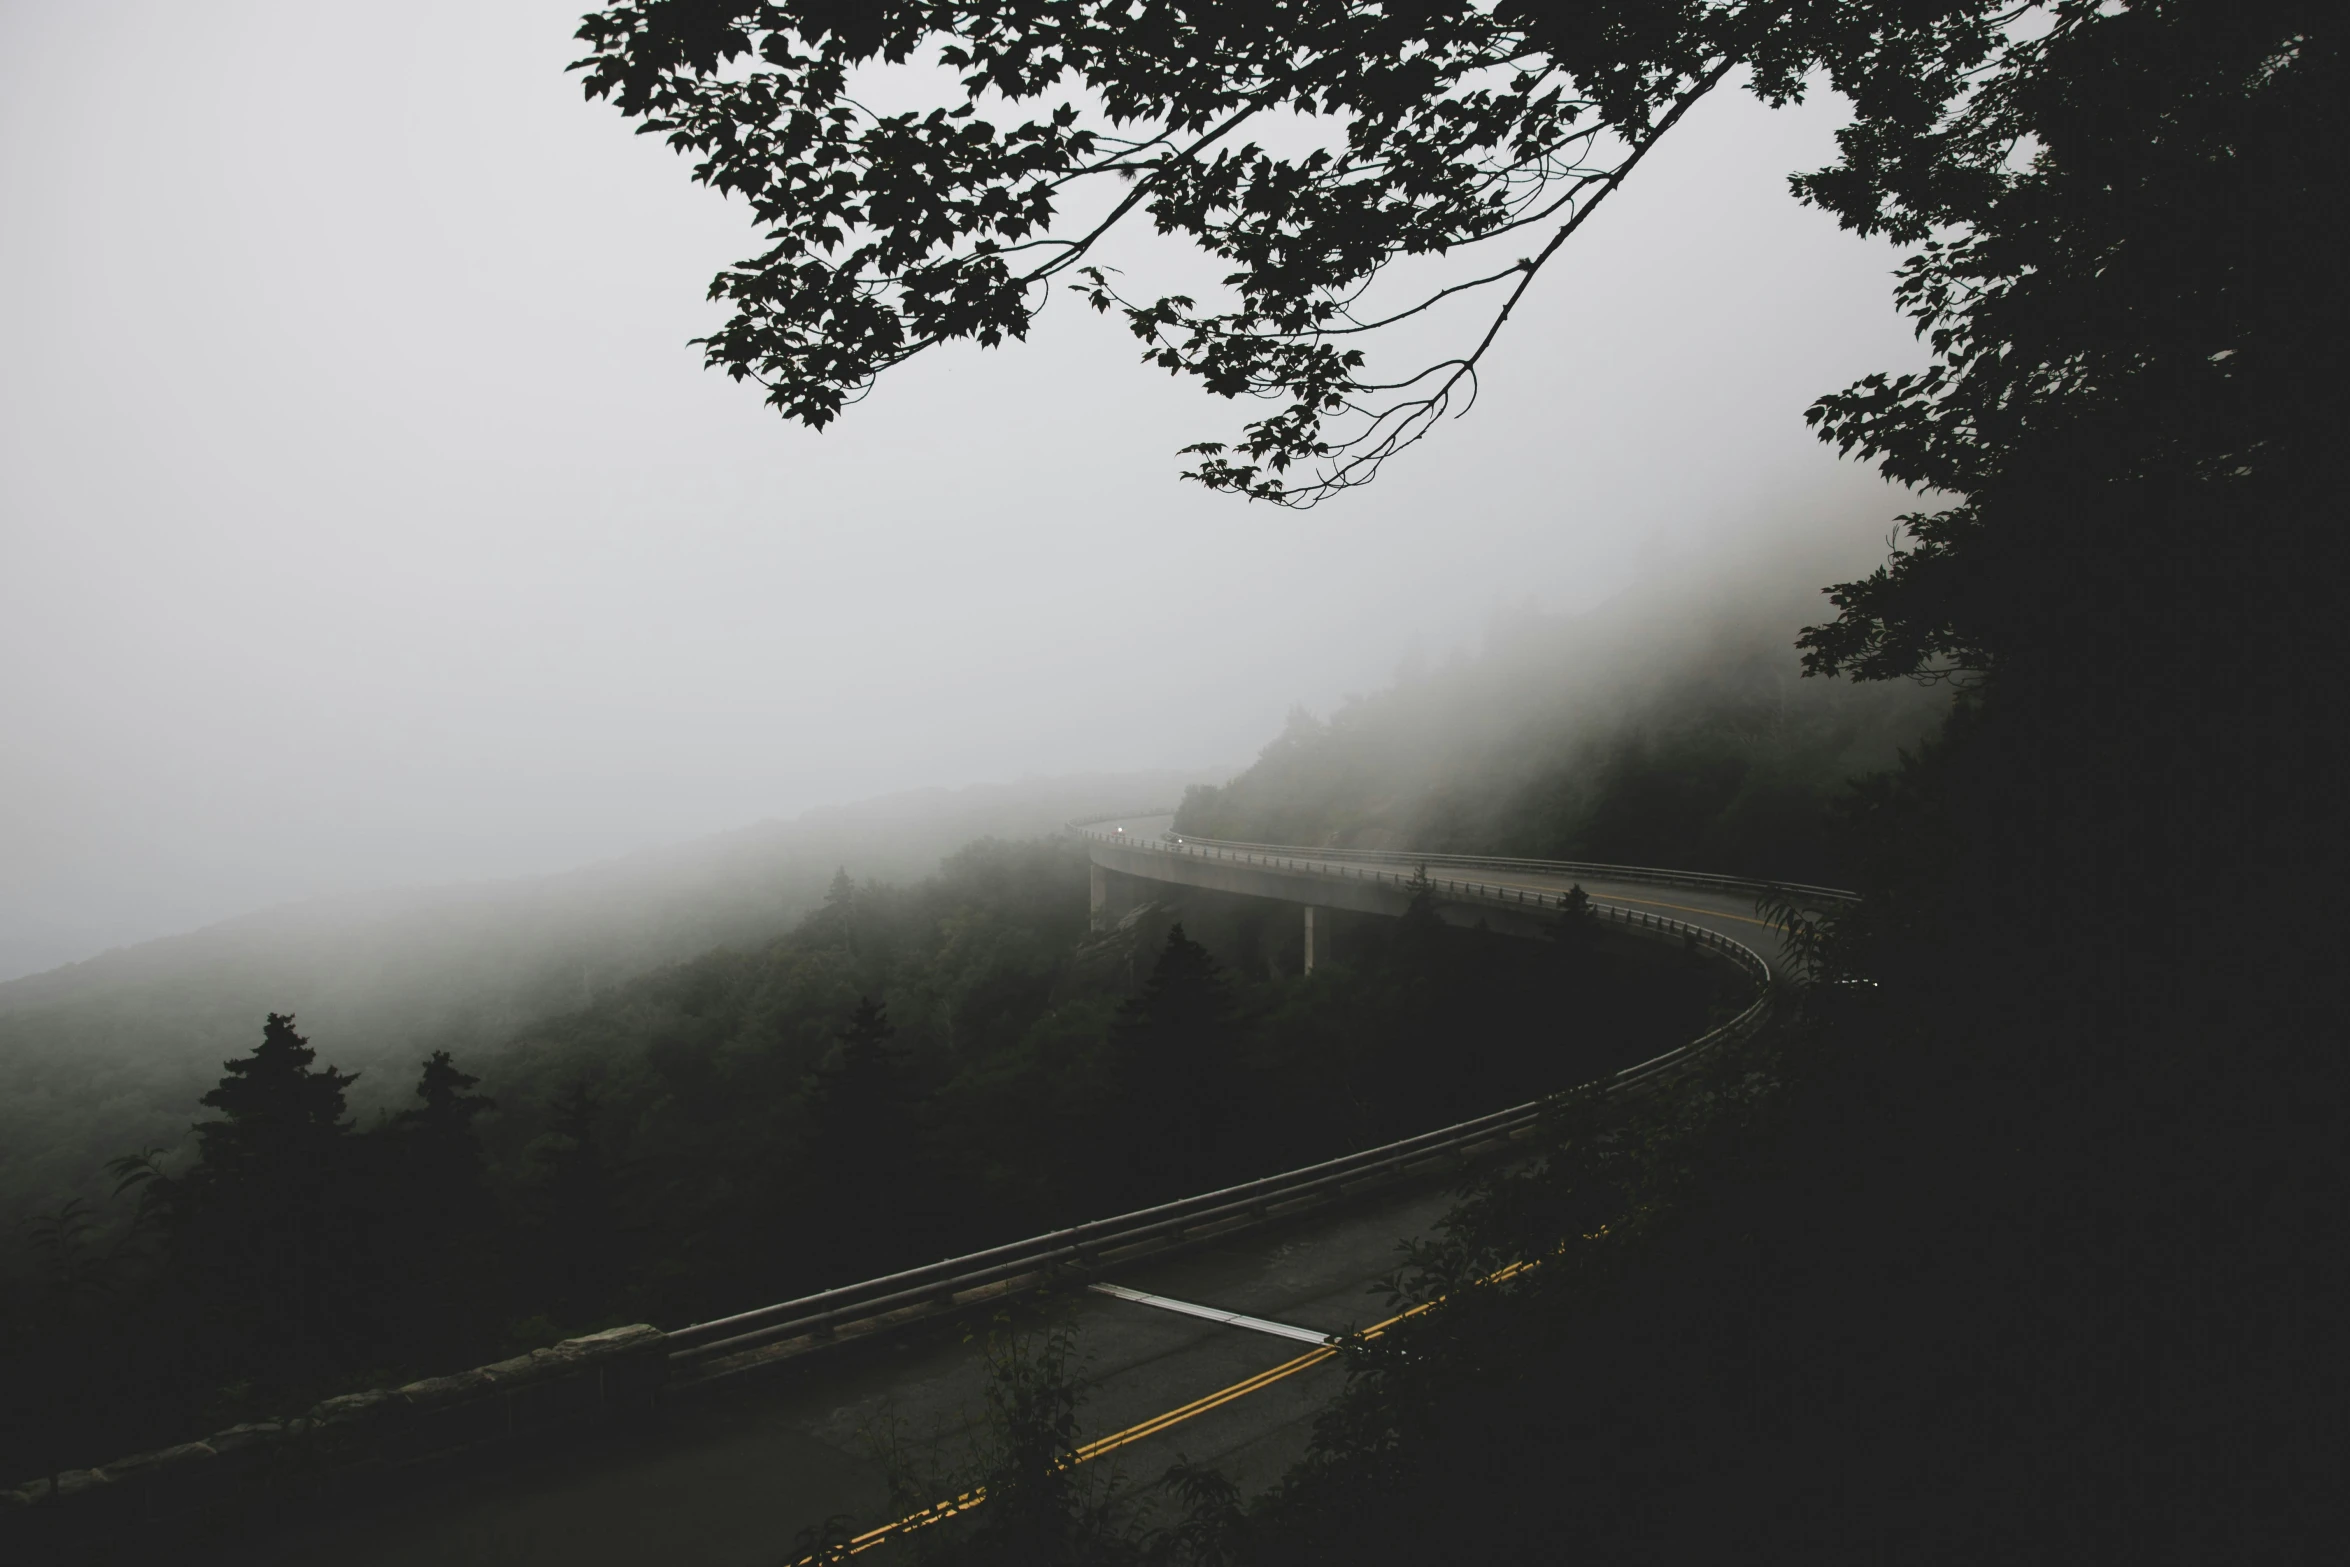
x=1402 y=1075
x=840 y=907
x=1575 y=935
x=869 y=1177
x=1174 y=1059
x=442 y=1218
x=448 y=1109
x=272 y=1229
x=279 y=1116
x=63 y=1343
x=578 y=1209
x=857 y=1100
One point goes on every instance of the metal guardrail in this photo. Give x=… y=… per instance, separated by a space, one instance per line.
x=1278 y=857
x=1083 y=1247
x=1320 y=862
x=1303 y=857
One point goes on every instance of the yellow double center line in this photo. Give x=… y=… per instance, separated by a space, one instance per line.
x=939 y=1512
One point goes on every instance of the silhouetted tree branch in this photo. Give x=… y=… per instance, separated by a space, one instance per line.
x=1429 y=134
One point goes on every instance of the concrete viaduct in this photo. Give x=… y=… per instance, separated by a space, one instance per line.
x=716 y=1444
x=1512 y=897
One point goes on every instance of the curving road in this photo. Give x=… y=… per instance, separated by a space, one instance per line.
x=1727 y=910
x=1207 y=1355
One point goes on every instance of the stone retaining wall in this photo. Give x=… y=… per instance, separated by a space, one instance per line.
x=578 y=1384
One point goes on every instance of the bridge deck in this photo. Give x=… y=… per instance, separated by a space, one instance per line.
x=1134 y=846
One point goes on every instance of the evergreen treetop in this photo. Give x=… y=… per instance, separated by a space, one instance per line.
x=274 y=1106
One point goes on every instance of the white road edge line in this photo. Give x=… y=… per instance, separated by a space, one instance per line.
x=1231 y=1319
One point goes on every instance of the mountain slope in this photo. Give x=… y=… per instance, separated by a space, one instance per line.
x=100 y=1057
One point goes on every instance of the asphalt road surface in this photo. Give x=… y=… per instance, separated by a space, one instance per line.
x=731 y=1478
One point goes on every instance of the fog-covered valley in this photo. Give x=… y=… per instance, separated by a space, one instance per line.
x=1668 y=726
x=564 y=580
x=109 y=1055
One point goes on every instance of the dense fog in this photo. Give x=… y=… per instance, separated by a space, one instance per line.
x=369 y=522
x=590 y=973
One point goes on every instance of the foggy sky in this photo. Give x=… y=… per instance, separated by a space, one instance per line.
x=366 y=519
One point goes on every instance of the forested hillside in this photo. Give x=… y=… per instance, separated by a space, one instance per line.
x=1617 y=735
x=908 y=1072
x=110 y=1054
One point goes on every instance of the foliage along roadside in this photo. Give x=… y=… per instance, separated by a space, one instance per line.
x=754 y=1125
x=1451 y=1409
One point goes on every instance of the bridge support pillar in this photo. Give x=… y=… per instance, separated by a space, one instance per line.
x=1113 y=895
x=1309 y=938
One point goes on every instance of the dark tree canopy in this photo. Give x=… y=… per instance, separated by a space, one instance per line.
x=857 y=1099
x=577 y=1204
x=2134 y=338
x=277 y=1112
x=865 y=1177
x=270 y=1229
x=1174 y=1057
x=449 y=1104
x=2128 y=215
x=1305 y=145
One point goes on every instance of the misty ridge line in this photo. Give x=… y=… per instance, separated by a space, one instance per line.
x=1588 y=667
x=626 y=873
x=108 y=1053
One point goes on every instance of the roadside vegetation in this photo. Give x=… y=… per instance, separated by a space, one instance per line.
x=2037 y=1254
x=114 y=1052
x=1714 y=755
x=2022 y=1242
x=906 y=1074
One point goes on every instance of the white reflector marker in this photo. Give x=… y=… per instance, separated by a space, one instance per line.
x=1230 y=1319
